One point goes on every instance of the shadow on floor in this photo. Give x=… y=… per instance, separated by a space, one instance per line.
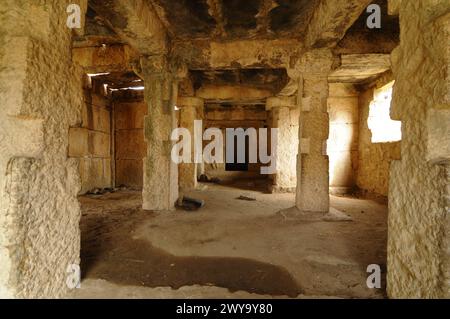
x=108 y=252
x=256 y=185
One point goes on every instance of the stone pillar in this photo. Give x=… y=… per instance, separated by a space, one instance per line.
x=285 y=117
x=312 y=163
x=41 y=97
x=446 y=239
x=418 y=220
x=190 y=110
x=160 y=189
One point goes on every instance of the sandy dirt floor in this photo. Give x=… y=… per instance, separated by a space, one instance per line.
x=230 y=248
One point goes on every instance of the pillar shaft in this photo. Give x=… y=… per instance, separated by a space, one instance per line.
x=160 y=189
x=191 y=110
x=312 y=164
x=285 y=117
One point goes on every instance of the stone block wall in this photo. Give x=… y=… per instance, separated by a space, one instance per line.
x=234 y=117
x=374 y=159
x=39 y=211
x=343 y=139
x=90 y=141
x=130 y=145
x=418 y=215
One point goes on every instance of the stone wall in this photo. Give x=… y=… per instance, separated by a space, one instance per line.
x=374 y=159
x=234 y=117
x=343 y=138
x=130 y=146
x=90 y=141
x=41 y=94
x=418 y=217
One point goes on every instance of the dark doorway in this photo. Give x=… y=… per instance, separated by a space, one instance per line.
x=235 y=166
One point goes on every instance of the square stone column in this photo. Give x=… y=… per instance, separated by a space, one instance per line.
x=191 y=109
x=285 y=117
x=160 y=189
x=312 y=163
x=41 y=98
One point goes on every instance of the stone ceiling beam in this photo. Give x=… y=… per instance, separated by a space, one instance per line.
x=331 y=20
x=136 y=22
x=108 y=58
x=360 y=43
x=206 y=55
x=359 y=67
x=215 y=11
x=263 y=17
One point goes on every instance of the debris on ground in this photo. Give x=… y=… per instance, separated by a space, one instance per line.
x=190 y=204
x=205 y=179
x=101 y=191
x=250 y=199
x=107 y=190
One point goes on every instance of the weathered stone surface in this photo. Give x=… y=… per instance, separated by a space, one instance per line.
x=232 y=93
x=286 y=120
x=136 y=22
x=131 y=147
x=130 y=144
x=188 y=114
x=55 y=137
x=281 y=101
x=313 y=167
x=342 y=146
x=129 y=115
x=200 y=54
x=359 y=39
x=160 y=189
x=357 y=67
x=234 y=116
x=90 y=142
x=94 y=173
x=330 y=21
x=78 y=146
x=39 y=211
x=374 y=158
x=96 y=117
x=107 y=58
x=129 y=172
x=227 y=20
x=438 y=144
x=417 y=261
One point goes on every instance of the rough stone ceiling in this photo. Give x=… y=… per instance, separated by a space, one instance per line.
x=239 y=86
x=270 y=79
x=360 y=39
x=358 y=68
x=97 y=32
x=364 y=52
x=119 y=80
x=201 y=19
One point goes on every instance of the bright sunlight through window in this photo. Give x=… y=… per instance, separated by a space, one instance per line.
x=380 y=124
